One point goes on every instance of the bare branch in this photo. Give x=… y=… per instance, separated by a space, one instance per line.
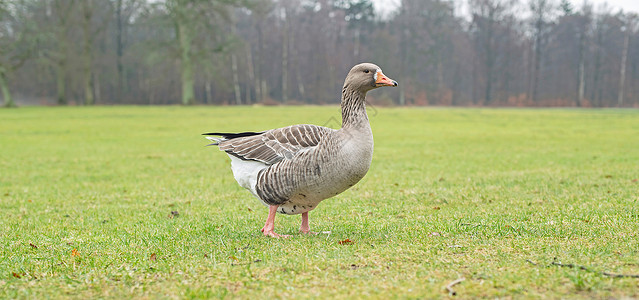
x=584 y=268
x=449 y=287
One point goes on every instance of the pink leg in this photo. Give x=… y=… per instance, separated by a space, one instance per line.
x=304 y=228
x=270 y=223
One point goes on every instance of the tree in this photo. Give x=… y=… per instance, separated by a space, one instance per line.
x=17 y=40
x=261 y=13
x=628 y=28
x=566 y=7
x=568 y=50
x=56 y=24
x=88 y=35
x=540 y=11
x=488 y=16
x=188 y=17
x=584 y=23
x=182 y=12
x=247 y=51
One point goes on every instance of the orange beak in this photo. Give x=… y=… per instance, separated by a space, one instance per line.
x=382 y=80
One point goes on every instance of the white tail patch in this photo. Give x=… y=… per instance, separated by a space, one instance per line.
x=245 y=172
x=215 y=139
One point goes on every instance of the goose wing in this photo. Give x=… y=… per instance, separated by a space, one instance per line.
x=272 y=146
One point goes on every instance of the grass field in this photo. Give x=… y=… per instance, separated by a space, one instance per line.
x=493 y=196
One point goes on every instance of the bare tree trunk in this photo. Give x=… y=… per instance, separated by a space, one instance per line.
x=402 y=94
x=96 y=88
x=264 y=88
x=581 y=77
x=300 y=84
x=476 y=86
x=538 y=8
x=234 y=70
x=529 y=67
x=440 y=75
x=61 y=82
x=285 y=70
x=622 y=71
x=404 y=53
x=63 y=10
x=207 y=91
x=257 y=79
x=6 y=94
x=285 y=35
x=490 y=61
x=151 y=91
x=87 y=6
x=298 y=75
x=537 y=62
x=595 y=93
x=251 y=73
x=261 y=83
x=185 y=39
x=475 y=79
x=119 y=52
x=357 y=42
x=236 y=81
x=296 y=62
x=455 y=86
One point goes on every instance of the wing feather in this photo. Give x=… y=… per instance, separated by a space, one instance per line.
x=273 y=146
x=301 y=131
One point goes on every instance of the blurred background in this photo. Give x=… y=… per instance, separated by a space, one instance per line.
x=238 y=52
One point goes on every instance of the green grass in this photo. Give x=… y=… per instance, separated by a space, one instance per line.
x=452 y=193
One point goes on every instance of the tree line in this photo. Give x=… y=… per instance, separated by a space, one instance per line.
x=497 y=53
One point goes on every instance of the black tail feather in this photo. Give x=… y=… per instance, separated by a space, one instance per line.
x=230 y=136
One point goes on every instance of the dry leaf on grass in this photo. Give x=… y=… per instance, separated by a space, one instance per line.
x=345 y=242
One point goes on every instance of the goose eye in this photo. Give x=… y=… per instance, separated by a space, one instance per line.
x=366 y=71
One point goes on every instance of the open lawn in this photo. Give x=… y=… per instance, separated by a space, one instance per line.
x=493 y=196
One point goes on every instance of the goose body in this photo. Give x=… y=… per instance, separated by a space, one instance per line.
x=300 y=178
x=292 y=169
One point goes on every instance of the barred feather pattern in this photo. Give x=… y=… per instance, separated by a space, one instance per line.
x=297 y=167
x=275 y=145
x=339 y=161
x=353 y=108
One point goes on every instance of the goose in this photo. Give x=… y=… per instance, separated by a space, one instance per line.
x=292 y=169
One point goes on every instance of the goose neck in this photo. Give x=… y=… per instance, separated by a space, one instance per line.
x=354 y=108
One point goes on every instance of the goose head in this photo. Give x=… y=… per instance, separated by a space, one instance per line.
x=367 y=76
